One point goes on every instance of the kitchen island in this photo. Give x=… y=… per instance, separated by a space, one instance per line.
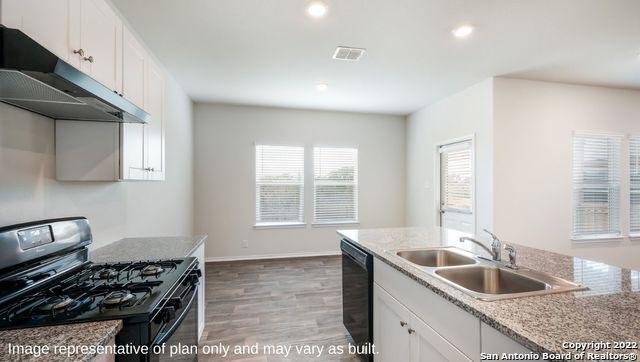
x=608 y=311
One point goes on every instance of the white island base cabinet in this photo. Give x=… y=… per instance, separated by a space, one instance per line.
x=400 y=335
x=412 y=323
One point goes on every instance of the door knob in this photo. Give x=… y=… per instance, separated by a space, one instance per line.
x=403 y=323
x=88 y=59
x=80 y=52
x=411 y=330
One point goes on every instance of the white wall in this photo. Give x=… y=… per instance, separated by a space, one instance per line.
x=224 y=147
x=29 y=191
x=533 y=124
x=468 y=112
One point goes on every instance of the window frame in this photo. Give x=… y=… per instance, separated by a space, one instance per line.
x=438 y=177
x=320 y=224
x=284 y=224
x=601 y=237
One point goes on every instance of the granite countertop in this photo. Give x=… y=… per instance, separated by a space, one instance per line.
x=79 y=334
x=608 y=312
x=149 y=248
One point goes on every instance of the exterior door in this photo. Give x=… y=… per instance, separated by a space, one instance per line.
x=457 y=186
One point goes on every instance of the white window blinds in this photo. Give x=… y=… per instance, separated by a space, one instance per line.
x=596 y=186
x=634 y=184
x=456 y=187
x=279 y=185
x=335 y=190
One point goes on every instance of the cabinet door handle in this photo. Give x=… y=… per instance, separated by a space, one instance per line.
x=403 y=323
x=80 y=52
x=411 y=330
x=88 y=59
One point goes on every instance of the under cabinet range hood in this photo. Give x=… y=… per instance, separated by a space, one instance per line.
x=33 y=78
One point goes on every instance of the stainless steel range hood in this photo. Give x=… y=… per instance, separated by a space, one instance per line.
x=33 y=78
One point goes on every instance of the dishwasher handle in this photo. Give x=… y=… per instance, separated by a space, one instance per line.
x=354 y=253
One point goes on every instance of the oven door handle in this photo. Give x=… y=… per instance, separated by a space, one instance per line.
x=162 y=337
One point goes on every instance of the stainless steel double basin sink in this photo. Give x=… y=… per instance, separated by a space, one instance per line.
x=484 y=279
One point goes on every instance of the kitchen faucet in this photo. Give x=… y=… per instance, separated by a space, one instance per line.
x=496 y=245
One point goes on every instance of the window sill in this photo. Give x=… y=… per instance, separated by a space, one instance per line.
x=280 y=225
x=335 y=223
x=597 y=238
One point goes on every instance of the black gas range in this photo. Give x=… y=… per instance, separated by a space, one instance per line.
x=46 y=279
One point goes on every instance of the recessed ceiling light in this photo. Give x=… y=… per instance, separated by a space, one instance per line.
x=463 y=31
x=322 y=87
x=317 y=9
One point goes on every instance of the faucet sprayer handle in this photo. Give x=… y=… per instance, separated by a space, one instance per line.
x=493 y=236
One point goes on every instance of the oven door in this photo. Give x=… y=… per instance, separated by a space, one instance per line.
x=179 y=327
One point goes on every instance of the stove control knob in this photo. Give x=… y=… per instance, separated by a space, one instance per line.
x=166 y=314
x=176 y=303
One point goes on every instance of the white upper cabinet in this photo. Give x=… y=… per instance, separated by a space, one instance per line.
x=101 y=43
x=45 y=21
x=154 y=131
x=85 y=33
x=134 y=68
x=132 y=152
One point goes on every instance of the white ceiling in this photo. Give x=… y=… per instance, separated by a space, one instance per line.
x=269 y=52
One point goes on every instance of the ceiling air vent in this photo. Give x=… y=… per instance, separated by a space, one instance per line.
x=347 y=53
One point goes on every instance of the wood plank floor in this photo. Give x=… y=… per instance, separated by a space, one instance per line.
x=275 y=302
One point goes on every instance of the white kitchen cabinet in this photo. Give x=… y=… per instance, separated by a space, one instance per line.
x=428 y=346
x=390 y=320
x=494 y=342
x=455 y=325
x=101 y=42
x=85 y=33
x=134 y=68
x=47 y=22
x=200 y=253
x=132 y=151
x=399 y=335
x=154 y=130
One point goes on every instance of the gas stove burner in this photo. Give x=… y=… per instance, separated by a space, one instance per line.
x=108 y=273
x=151 y=270
x=119 y=299
x=55 y=303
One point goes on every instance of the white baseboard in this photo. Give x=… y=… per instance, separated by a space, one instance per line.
x=270 y=256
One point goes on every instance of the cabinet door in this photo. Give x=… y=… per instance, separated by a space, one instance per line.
x=47 y=22
x=132 y=153
x=134 y=58
x=154 y=130
x=101 y=40
x=428 y=346
x=496 y=343
x=390 y=336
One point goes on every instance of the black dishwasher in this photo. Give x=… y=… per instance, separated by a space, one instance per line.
x=357 y=293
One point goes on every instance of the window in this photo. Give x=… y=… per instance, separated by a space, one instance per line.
x=279 y=185
x=596 y=186
x=634 y=185
x=335 y=193
x=456 y=177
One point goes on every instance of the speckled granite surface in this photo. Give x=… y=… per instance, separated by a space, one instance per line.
x=79 y=334
x=608 y=312
x=133 y=249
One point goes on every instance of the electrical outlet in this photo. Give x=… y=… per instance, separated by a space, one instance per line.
x=245 y=243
